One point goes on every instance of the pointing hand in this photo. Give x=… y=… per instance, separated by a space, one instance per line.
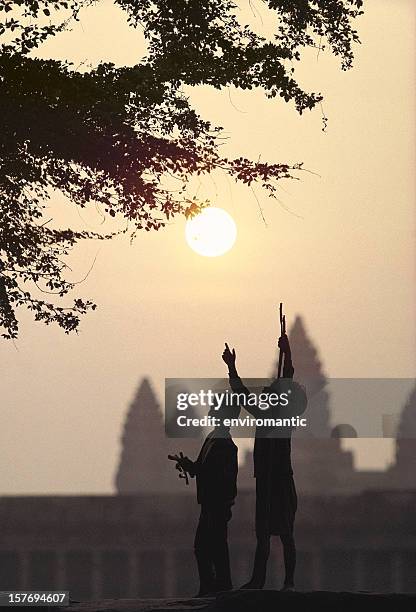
x=228 y=356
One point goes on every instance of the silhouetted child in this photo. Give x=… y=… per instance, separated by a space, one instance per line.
x=276 y=500
x=216 y=471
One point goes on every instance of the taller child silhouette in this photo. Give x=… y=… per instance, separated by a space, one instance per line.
x=276 y=499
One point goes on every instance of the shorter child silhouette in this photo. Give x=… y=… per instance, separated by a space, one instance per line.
x=216 y=471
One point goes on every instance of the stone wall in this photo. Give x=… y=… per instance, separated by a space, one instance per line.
x=141 y=546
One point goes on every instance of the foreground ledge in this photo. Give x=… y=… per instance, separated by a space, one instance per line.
x=259 y=601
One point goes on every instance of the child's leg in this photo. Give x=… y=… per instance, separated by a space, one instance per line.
x=260 y=562
x=203 y=554
x=262 y=533
x=289 y=554
x=220 y=552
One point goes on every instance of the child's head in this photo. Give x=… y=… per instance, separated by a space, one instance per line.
x=223 y=412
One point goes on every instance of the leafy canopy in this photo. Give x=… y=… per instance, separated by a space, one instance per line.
x=112 y=135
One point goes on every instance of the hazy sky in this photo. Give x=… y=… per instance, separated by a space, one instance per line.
x=338 y=249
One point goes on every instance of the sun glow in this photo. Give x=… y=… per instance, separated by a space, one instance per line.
x=211 y=233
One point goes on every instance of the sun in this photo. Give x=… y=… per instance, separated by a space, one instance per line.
x=211 y=233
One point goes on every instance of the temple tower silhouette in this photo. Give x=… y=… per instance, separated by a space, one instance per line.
x=309 y=373
x=143 y=460
x=319 y=462
x=143 y=464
